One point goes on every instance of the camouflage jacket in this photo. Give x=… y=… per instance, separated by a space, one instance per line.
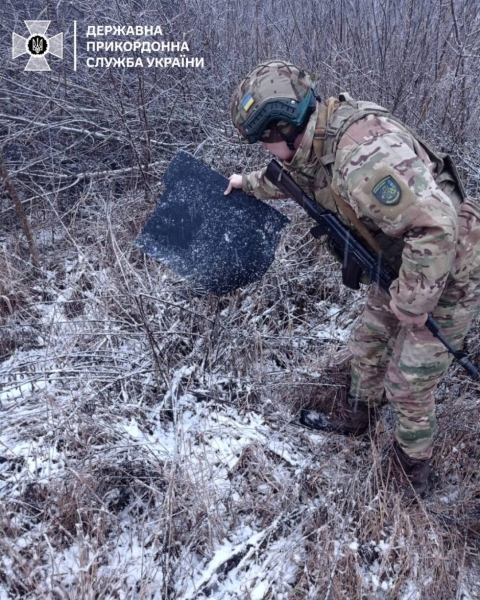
x=387 y=176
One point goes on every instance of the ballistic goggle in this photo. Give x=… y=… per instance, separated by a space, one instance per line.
x=281 y=109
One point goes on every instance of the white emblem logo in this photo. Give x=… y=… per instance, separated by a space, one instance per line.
x=37 y=45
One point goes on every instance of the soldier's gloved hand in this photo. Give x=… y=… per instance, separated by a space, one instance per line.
x=234 y=182
x=410 y=319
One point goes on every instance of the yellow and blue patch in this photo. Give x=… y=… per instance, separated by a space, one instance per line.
x=387 y=191
x=247 y=102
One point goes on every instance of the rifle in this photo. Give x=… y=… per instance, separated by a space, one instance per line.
x=357 y=258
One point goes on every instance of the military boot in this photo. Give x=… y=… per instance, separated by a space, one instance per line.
x=344 y=418
x=412 y=472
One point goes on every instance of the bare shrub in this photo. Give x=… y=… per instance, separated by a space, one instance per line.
x=149 y=444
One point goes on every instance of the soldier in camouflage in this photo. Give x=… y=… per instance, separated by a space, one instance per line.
x=406 y=201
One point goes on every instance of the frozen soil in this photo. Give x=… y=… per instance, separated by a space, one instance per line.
x=149 y=447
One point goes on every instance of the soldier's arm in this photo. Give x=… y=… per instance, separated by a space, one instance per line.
x=257 y=185
x=254 y=184
x=384 y=179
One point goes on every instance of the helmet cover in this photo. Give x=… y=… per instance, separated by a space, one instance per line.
x=272 y=102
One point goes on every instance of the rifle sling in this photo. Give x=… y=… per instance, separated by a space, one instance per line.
x=320 y=135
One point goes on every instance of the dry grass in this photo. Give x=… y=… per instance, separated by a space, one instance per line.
x=148 y=446
x=156 y=429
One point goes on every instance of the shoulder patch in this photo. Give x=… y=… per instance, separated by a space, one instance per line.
x=387 y=191
x=396 y=198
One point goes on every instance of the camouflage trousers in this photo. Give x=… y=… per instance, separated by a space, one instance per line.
x=406 y=362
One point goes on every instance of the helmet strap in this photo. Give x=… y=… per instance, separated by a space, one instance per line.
x=290 y=143
x=290 y=139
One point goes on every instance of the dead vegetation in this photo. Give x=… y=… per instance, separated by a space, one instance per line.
x=148 y=446
x=154 y=430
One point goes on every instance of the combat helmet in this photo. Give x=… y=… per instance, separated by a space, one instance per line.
x=273 y=103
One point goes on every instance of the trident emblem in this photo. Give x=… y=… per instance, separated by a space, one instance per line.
x=37 y=45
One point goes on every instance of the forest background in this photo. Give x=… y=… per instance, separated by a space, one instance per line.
x=148 y=446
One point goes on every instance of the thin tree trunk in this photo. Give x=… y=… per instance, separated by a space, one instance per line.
x=20 y=212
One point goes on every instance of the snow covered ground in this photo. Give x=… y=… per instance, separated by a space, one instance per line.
x=149 y=446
